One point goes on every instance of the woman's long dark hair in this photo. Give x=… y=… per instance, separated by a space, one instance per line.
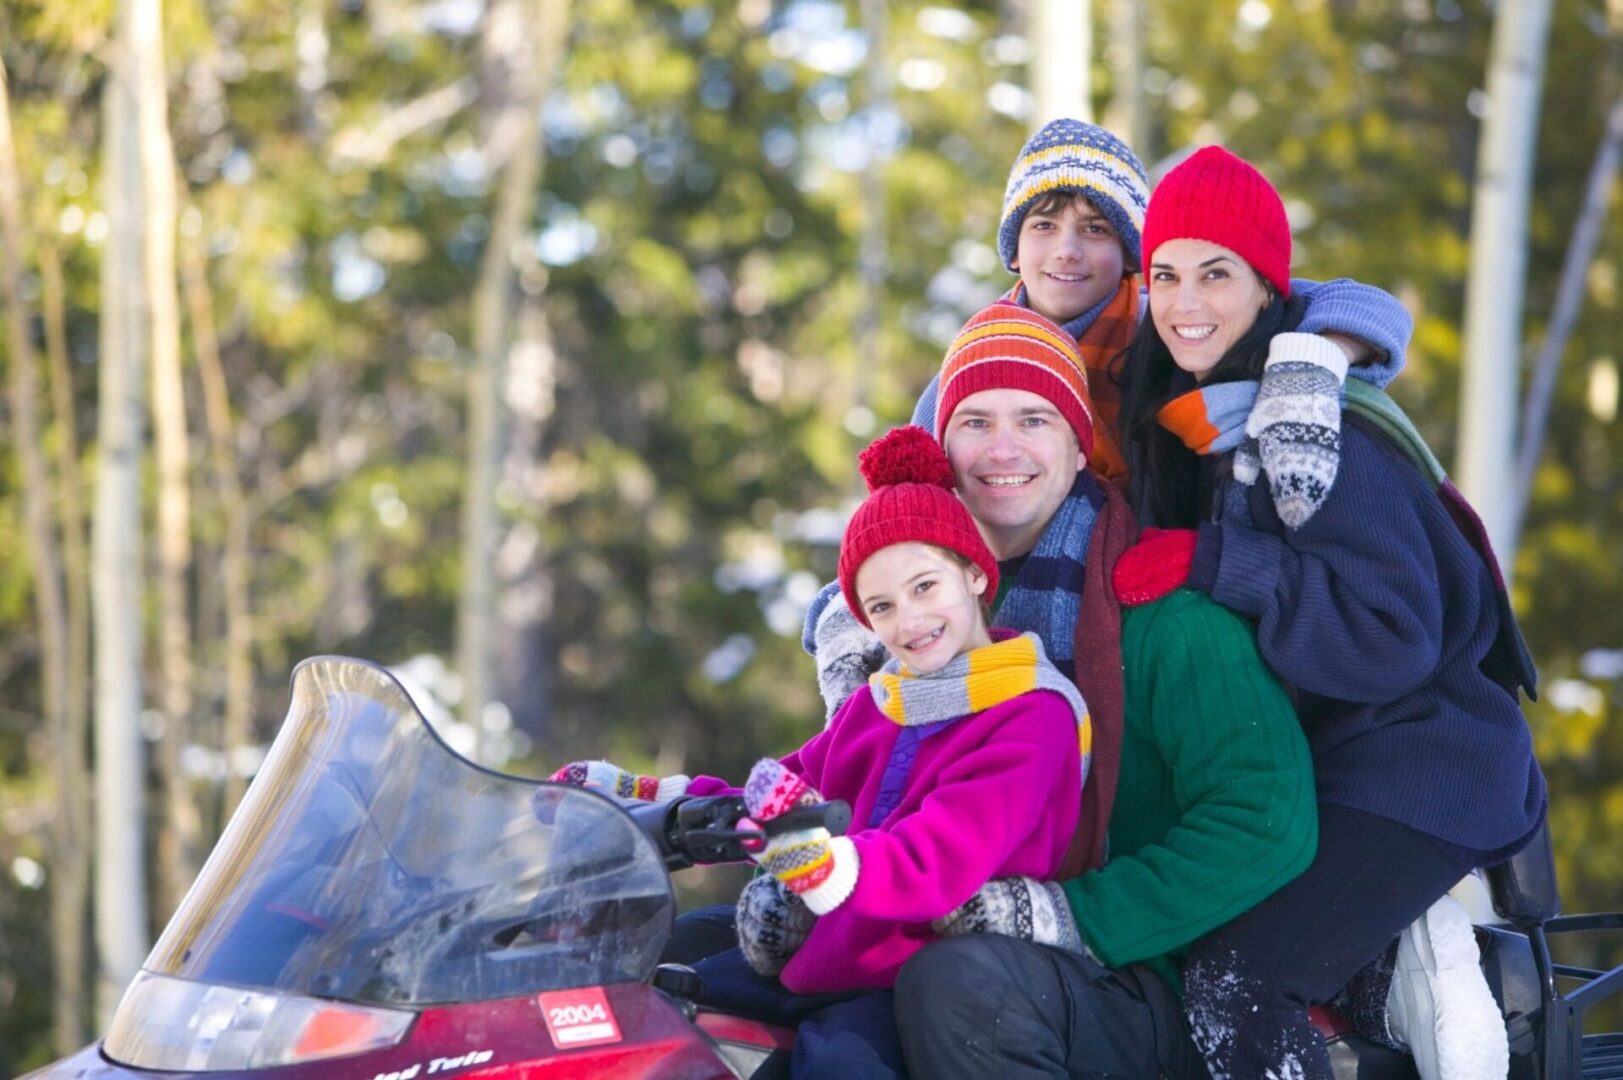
x=1164 y=475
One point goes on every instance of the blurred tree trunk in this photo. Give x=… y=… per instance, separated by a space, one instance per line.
x=1569 y=295
x=515 y=83
x=67 y=920
x=871 y=257
x=526 y=594
x=1498 y=273
x=312 y=46
x=178 y=831
x=121 y=901
x=1061 y=37
x=236 y=733
x=1126 y=115
x=71 y=858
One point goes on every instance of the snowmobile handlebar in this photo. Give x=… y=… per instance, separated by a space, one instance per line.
x=717 y=828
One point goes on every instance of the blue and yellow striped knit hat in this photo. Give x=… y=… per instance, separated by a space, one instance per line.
x=1068 y=155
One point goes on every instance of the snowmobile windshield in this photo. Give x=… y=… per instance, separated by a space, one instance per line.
x=370 y=863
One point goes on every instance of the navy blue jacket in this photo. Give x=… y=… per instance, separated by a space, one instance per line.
x=1379 y=614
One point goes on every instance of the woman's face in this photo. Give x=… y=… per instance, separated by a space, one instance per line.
x=1203 y=298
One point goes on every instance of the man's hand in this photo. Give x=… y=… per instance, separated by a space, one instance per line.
x=611 y=779
x=818 y=867
x=773 y=923
x=1356 y=350
x=1017 y=907
x=1154 y=566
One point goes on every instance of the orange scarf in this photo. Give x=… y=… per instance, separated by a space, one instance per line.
x=1112 y=331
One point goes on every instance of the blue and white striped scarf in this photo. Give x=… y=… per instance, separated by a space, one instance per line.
x=1046 y=597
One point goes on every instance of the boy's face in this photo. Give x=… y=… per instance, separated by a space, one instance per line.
x=923 y=604
x=1069 y=258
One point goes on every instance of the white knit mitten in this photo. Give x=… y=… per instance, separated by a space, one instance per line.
x=1295 y=426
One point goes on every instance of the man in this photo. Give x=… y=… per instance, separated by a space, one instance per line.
x=1201 y=776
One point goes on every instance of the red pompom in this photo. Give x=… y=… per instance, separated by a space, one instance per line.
x=905 y=455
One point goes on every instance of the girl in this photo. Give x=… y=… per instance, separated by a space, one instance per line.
x=964 y=757
x=1370 y=602
x=963 y=760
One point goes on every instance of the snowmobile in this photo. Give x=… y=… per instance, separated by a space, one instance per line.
x=380 y=908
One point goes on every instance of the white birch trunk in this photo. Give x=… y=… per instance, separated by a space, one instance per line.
x=236 y=559
x=872 y=258
x=530 y=75
x=1493 y=299
x=178 y=830
x=1061 y=36
x=70 y=860
x=1126 y=115
x=121 y=901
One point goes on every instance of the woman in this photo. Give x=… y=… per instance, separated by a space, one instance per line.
x=1370 y=603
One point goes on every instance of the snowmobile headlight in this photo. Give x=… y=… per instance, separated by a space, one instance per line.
x=183 y=1026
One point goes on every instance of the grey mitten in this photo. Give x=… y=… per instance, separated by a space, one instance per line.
x=846 y=652
x=1018 y=907
x=1295 y=426
x=773 y=924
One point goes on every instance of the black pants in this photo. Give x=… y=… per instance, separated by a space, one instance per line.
x=1248 y=984
x=848 y=1036
x=989 y=1006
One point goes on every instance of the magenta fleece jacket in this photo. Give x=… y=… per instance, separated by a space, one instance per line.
x=993 y=794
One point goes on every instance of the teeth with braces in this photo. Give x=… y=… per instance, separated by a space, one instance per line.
x=927 y=639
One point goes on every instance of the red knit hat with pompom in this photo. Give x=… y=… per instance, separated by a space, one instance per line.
x=911 y=500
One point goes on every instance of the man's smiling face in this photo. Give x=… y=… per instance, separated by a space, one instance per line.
x=1015 y=459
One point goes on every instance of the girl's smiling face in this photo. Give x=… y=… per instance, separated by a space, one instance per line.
x=923 y=603
x=1203 y=298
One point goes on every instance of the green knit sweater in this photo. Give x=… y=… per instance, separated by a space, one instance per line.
x=1215 y=805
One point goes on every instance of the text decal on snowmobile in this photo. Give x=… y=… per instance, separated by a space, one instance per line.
x=438 y=1065
x=579 y=1018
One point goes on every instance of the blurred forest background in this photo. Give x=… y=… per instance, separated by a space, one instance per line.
x=525 y=346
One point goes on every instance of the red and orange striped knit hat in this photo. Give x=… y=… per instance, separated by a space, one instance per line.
x=1009 y=347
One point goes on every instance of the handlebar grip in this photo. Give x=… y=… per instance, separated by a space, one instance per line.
x=834 y=815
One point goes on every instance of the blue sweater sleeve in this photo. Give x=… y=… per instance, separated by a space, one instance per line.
x=1348 y=606
x=924 y=411
x=1344 y=306
x=808 y=629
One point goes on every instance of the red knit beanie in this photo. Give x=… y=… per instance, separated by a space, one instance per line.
x=1216 y=196
x=911 y=500
x=1009 y=347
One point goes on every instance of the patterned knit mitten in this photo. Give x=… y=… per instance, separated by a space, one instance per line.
x=1018 y=907
x=611 y=779
x=846 y=651
x=773 y=923
x=817 y=866
x=1296 y=424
